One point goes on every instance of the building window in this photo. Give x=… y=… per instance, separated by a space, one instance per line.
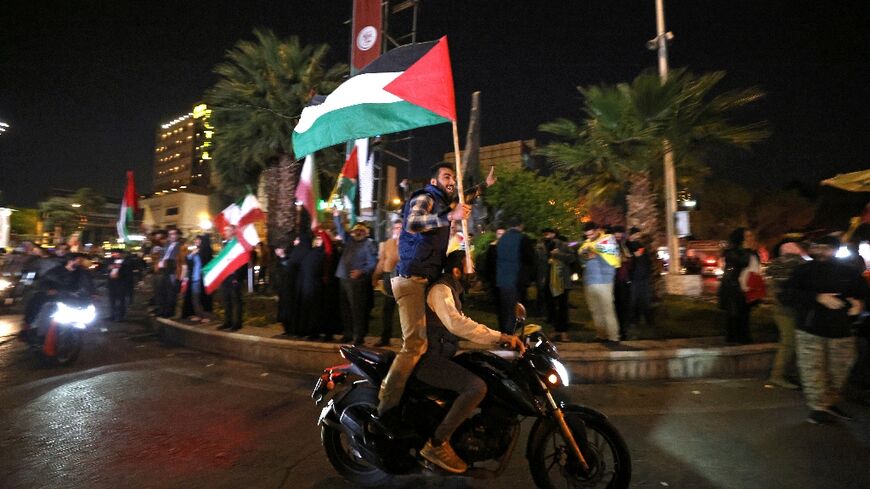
x=172 y=211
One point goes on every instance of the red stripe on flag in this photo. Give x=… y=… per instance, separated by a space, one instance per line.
x=226 y=272
x=351 y=165
x=429 y=82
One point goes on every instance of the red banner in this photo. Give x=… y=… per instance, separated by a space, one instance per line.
x=366 y=38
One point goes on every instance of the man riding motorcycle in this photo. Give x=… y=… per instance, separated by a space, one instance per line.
x=71 y=278
x=445 y=324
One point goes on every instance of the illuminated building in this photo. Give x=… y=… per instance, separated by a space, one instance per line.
x=182 y=151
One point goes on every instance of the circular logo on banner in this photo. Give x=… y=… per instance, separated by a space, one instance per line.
x=366 y=38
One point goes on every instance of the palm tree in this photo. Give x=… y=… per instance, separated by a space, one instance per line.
x=618 y=148
x=263 y=86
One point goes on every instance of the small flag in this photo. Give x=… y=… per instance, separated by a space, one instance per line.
x=128 y=208
x=308 y=190
x=236 y=251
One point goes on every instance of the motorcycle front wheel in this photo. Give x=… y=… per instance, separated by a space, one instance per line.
x=553 y=465
x=67 y=347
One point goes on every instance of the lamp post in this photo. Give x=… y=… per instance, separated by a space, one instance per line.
x=661 y=44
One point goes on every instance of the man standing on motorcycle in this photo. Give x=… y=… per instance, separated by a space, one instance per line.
x=445 y=324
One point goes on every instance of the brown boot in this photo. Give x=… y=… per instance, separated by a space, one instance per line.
x=443 y=456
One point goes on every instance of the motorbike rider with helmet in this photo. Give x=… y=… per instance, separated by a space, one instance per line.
x=445 y=324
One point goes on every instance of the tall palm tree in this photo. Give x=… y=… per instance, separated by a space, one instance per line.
x=263 y=86
x=618 y=147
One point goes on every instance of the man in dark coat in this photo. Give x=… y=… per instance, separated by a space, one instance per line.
x=120 y=283
x=515 y=270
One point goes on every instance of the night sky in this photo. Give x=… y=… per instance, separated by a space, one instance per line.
x=84 y=85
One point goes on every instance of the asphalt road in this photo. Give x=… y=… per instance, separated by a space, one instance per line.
x=135 y=413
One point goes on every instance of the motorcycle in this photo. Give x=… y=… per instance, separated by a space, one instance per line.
x=58 y=331
x=569 y=444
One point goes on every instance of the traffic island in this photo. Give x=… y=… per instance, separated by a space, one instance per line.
x=692 y=358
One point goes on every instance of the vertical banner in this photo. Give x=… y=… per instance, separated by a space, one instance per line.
x=366 y=35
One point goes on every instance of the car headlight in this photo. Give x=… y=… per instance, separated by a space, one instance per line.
x=559 y=374
x=5 y=284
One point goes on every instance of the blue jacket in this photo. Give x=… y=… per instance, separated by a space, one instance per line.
x=597 y=271
x=422 y=254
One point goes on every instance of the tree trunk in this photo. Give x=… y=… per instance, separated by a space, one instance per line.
x=643 y=213
x=281 y=181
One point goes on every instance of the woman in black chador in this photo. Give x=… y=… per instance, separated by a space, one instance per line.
x=741 y=260
x=296 y=259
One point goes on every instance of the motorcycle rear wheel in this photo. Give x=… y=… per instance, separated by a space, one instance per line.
x=350 y=465
x=553 y=465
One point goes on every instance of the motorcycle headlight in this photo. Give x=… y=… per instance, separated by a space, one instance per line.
x=559 y=375
x=4 y=284
x=80 y=317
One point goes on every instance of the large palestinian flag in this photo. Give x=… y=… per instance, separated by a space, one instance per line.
x=408 y=87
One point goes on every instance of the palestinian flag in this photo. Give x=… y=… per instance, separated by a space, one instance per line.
x=408 y=87
x=347 y=183
x=128 y=208
x=236 y=251
x=308 y=190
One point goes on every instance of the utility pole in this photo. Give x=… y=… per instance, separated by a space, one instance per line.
x=661 y=43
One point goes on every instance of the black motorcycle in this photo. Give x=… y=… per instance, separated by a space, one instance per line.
x=569 y=444
x=58 y=330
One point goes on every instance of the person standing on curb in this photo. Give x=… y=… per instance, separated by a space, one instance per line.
x=354 y=272
x=741 y=260
x=388 y=257
x=600 y=256
x=780 y=270
x=514 y=270
x=231 y=290
x=557 y=280
x=641 y=279
x=828 y=296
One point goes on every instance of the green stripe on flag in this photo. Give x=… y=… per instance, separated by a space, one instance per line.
x=362 y=121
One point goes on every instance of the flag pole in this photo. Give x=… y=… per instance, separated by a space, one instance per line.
x=469 y=264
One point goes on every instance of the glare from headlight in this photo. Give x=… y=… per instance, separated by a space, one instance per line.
x=71 y=315
x=4 y=284
x=562 y=371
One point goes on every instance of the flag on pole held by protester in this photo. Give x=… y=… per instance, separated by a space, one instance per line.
x=308 y=190
x=347 y=183
x=128 y=208
x=406 y=88
x=236 y=251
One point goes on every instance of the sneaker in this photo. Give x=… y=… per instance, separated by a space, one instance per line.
x=820 y=417
x=443 y=456
x=834 y=410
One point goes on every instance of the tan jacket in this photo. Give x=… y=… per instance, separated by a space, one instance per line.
x=388 y=257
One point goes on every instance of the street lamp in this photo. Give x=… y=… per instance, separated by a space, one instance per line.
x=660 y=42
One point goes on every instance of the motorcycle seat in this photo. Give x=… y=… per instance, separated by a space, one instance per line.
x=384 y=357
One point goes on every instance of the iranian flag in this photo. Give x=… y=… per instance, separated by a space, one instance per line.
x=236 y=251
x=308 y=190
x=128 y=208
x=408 y=87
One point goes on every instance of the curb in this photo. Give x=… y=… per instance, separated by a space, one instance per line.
x=588 y=366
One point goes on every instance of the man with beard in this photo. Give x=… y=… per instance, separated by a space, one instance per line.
x=354 y=272
x=422 y=249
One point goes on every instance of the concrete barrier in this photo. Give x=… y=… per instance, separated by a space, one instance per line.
x=588 y=363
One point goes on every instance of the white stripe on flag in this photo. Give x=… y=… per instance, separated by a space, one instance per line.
x=367 y=88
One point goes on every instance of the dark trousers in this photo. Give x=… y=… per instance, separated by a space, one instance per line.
x=167 y=294
x=557 y=311
x=355 y=307
x=507 y=301
x=737 y=324
x=443 y=373
x=641 y=302
x=232 y=295
x=622 y=305
x=118 y=296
